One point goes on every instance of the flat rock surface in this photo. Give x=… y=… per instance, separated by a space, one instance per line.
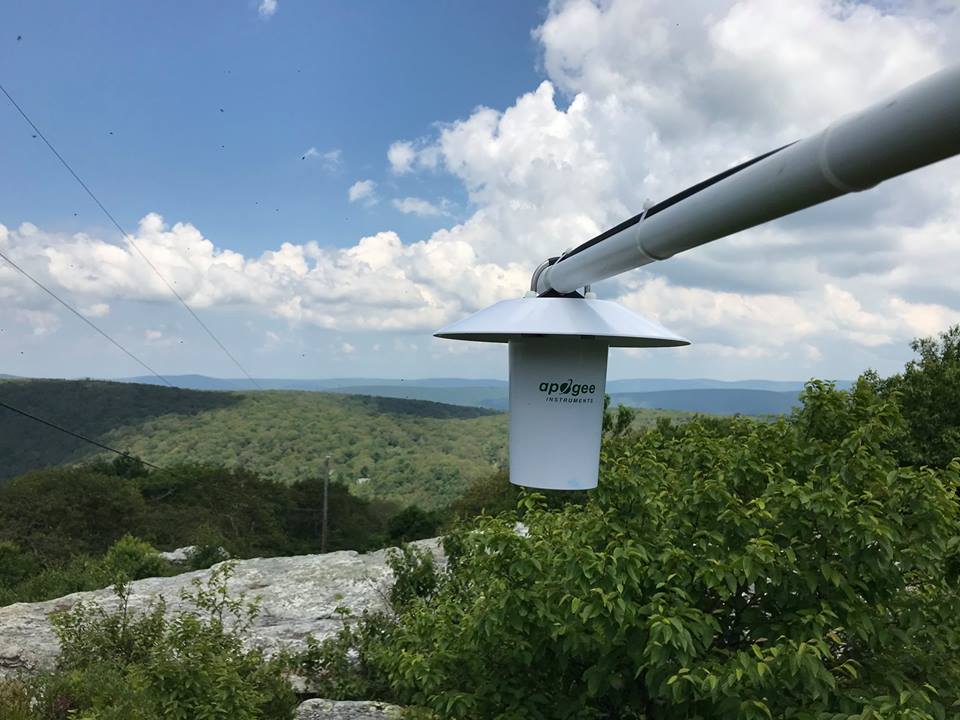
x=298 y=597
x=347 y=710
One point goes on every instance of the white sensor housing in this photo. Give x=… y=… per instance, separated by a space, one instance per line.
x=558 y=373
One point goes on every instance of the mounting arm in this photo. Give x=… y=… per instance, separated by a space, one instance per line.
x=916 y=127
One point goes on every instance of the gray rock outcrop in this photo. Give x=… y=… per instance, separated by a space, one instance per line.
x=347 y=710
x=298 y=597
x=180 y=555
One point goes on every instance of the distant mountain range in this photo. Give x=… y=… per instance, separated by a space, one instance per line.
x=721 y=397
x=203 y=382
x=714 y=401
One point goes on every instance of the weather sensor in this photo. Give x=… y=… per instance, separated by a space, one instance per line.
x=558 y=372
x=558 y=337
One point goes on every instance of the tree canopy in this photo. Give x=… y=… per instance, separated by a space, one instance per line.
x=928 y=392
x=734 y=569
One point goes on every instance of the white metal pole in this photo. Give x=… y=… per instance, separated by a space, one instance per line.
x=916 y=127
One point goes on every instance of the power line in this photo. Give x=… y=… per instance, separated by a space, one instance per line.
x=77 y=435
x=128 y=237
x=83 y=317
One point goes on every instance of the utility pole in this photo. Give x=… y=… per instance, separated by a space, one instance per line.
x=326 y=492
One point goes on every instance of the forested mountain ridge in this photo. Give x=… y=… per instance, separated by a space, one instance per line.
x=90 y=407
x=410 y=451
x=414 y=451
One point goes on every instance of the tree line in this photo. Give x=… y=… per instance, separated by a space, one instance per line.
x=63 y=529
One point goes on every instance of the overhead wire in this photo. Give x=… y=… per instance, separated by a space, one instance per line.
x=127 y=237
x=77 y=435
x=80 y=436
x=83 y=317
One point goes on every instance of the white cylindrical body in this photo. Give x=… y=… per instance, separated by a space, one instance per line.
x=918 y=126
x=556 y=411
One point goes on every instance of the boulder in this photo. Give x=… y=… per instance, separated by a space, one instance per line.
x=298 y=597
x=180 y=555
x=347 y=710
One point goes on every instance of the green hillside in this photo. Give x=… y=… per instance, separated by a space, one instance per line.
x=95 y=409
x=412 y=451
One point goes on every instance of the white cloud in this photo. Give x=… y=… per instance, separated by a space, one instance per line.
x=379 y=283
x=418 y=206
x=924 y=318
x=156 y=339
x=401 y=156
x=363 y=191
x=331 y=160
x=39 y=322
x=267 y=8
x=96 y=310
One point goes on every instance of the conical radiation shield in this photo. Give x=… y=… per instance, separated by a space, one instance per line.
x=558 y=370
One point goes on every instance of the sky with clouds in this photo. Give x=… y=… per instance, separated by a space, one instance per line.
x=326 y=184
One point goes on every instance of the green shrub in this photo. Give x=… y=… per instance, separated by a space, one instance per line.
x=618 y=422
x=132 y=559
x=80 y=573
x=15 y=700
x=122 y=666
x=789 y=569
x=61 y=512
x=413 y=523
x=351 y=665
x=127 y=559
x=491 y=495
x=348 y=665
x=927 y=391
x=415 y=575
x=15 y=564
x=208 y=548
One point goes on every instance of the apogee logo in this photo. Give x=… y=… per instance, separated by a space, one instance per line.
x=565 y=391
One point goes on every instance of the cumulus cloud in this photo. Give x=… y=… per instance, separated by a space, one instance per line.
x=405 y=156
x=364 y=191
x=418 y=206
x=267 y=8
x=401 y=156
x=378 y=284
x=640 y=101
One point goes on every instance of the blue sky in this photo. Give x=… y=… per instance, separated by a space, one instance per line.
x=335 y=76
x=328 y=183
